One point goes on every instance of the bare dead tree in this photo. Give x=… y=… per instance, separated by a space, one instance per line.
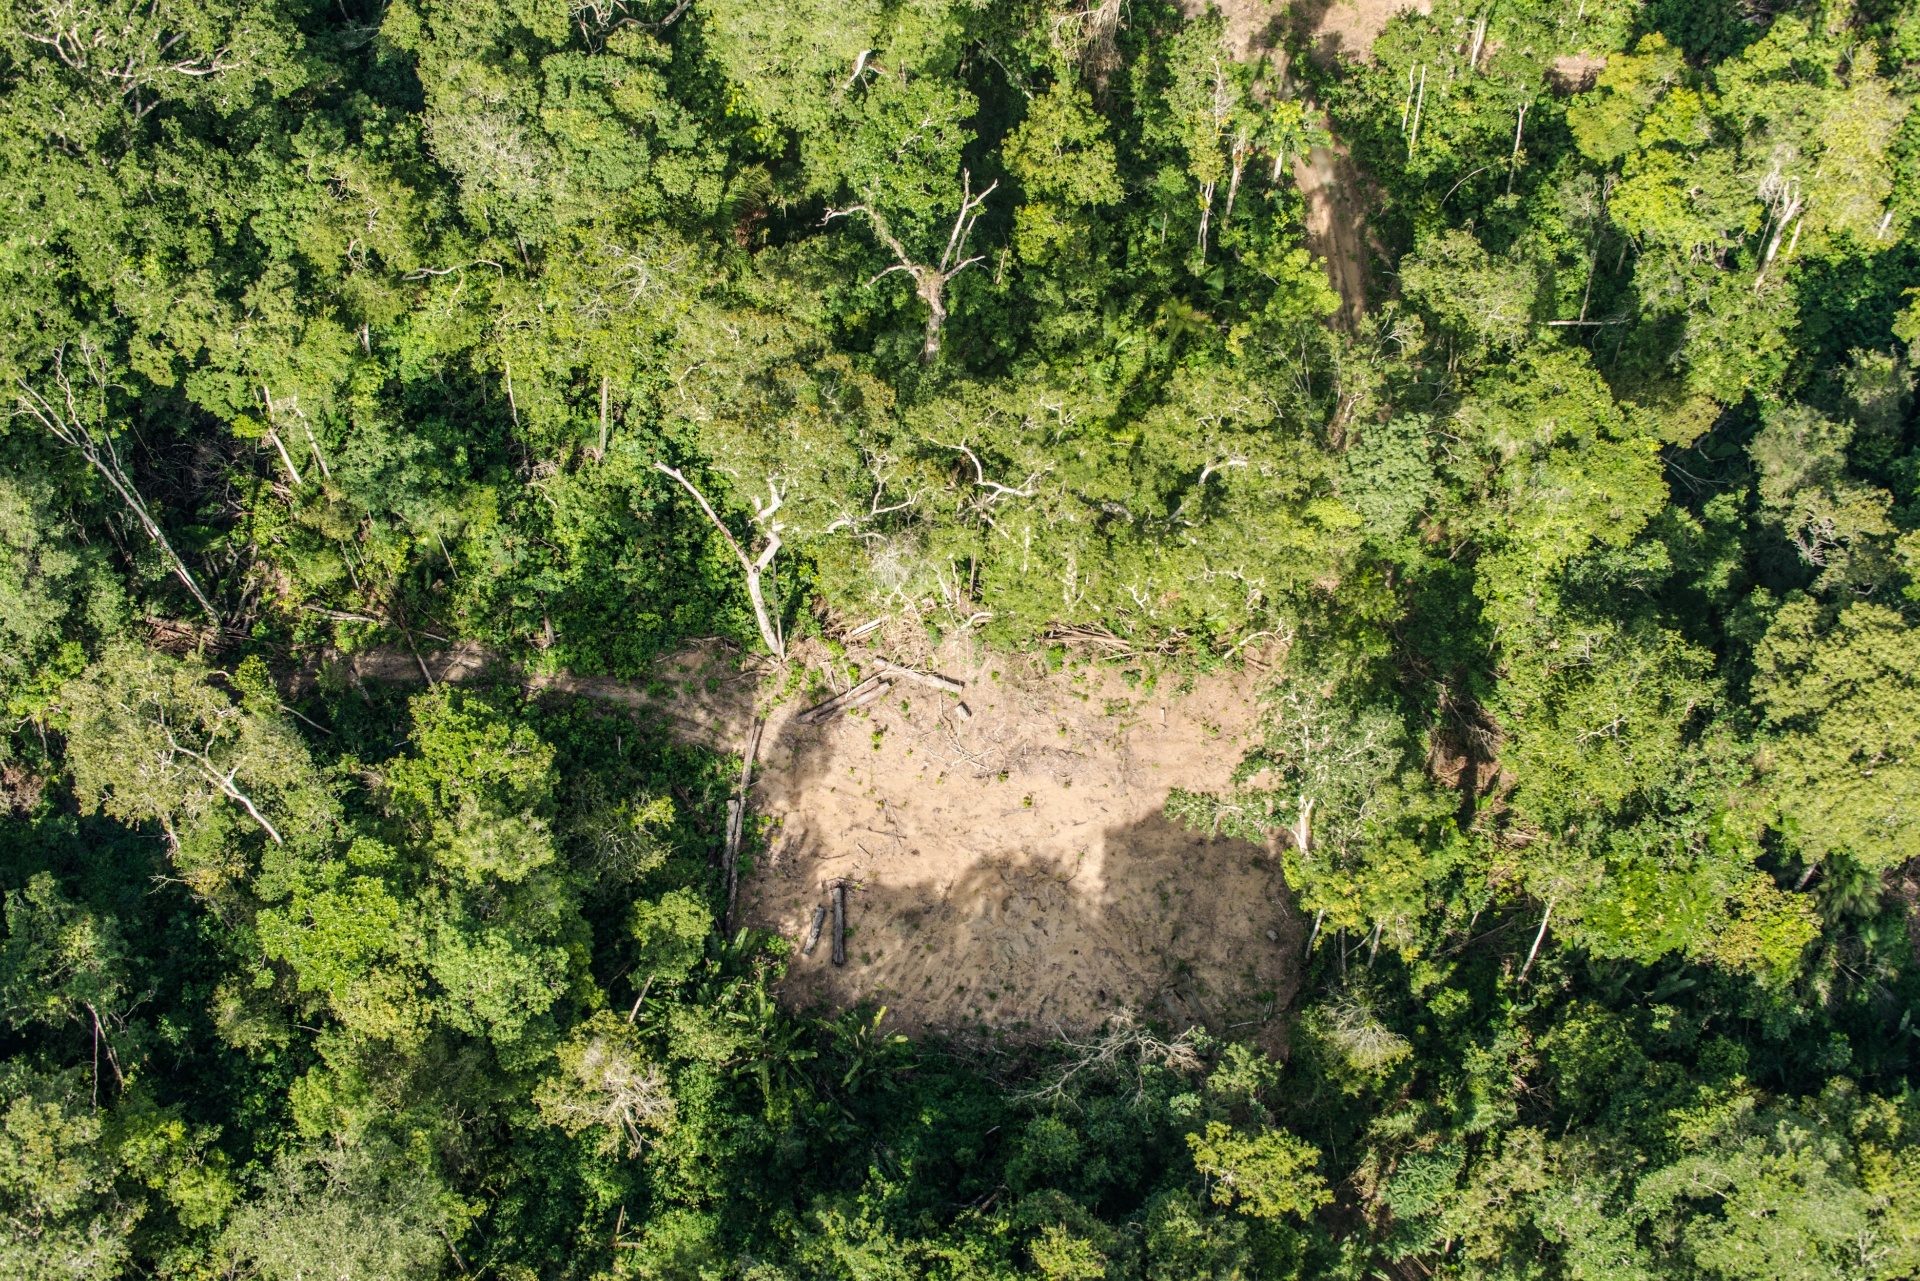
x=1479 y=39
x=71 y=426
x=130 y=45
x=929 y=282
x=1785 y=203
x=1537 y=940
x=273 y=437
x=605 y=387
x=223 y=782
x=1085 y=32
x=988 y=494
x=1200 y=486
x=1242 y=149
x=881 y=466
x=607 y=1084
x=1221 y=111
x=754 y=566
x=1124 y=1047
x=292 y=405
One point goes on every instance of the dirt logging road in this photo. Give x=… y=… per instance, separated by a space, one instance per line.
x=1330 y=183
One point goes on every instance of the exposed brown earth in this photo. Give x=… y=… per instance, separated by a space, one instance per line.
x=1349 y=29
x=1336 y=224
x=1013 y=869
x=1575 y=72
x=1331 y=28
x=1330 y=183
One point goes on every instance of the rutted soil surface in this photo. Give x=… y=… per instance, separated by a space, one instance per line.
x=1347 y=27
x=1336 y=224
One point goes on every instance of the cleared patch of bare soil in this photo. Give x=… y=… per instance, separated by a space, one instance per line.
x=1575 y=72
x=1349 y=28
x=1331 y=28
x=1012 y=869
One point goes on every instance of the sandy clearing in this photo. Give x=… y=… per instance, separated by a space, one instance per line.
x=1349 y=29
x=1013 y=870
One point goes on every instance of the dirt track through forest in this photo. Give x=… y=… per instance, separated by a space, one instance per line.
x=1330 y=183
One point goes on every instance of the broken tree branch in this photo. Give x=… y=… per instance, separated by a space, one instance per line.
x=67 y=427
x=865 y=692
x=753 y=566
x=339 y=615
x=839 y=889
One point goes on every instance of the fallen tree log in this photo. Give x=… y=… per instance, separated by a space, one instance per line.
x=813 y=930
x=865 y=692
x=839 y=889
x=932 y=680
x=737 y=813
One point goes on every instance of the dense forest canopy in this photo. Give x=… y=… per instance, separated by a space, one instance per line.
x=1586 y=514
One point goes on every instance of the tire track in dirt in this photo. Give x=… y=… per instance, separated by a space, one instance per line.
x=1336 y=225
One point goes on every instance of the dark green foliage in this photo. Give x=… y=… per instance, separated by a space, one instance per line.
x=1594 y=529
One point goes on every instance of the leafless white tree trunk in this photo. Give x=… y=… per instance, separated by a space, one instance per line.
x=225 y=784
x=929 y=282
x=1537 y=940
x=754 y=566
x=69 y=426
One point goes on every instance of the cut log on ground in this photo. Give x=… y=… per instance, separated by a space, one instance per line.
x=737 y=813
x=932 y=680
x=839 y=889
x=813 y=930
x=865 y=692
